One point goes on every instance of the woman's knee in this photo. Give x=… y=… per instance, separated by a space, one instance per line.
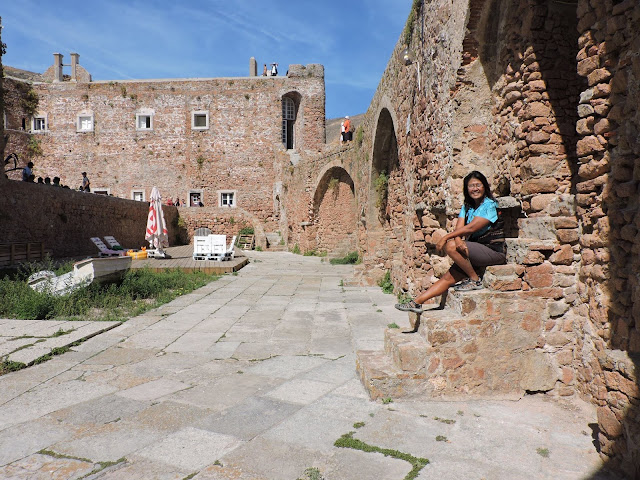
x=450 y=247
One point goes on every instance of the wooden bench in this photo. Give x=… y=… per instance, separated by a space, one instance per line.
x=16 y=253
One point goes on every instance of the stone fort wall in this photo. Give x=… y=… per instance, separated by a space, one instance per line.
x=542 y=97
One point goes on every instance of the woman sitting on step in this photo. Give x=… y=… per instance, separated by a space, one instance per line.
x=476 y=242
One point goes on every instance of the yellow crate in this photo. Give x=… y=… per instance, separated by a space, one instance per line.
x=137 y=255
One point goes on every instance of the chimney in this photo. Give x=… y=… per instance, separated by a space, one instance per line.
x=57 y=67
x=253 y=67
x=75 y=57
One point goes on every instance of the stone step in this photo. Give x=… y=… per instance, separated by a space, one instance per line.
x=277 y=248
x=491 y=304
x=408 y=351
x=383 y=379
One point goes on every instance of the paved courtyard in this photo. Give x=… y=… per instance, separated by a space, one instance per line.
x=253 y=377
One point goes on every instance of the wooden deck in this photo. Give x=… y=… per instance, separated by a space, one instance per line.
x=182 y=258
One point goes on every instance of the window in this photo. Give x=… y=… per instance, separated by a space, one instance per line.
x=39 y=124
x=195 y=198
x=101 y=191
x=84 y=123
x=144 y=122
x=227 y=198
x=288 y=121
x=200 y=120
x=137 y=195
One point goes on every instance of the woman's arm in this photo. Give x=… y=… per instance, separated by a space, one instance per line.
x=462 y=230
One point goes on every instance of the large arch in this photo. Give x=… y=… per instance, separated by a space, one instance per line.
x=334 y=217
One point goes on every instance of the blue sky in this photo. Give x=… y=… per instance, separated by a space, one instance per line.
x=125 y=39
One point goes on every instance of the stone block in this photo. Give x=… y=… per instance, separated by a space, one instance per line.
x=538 y=372
x=539 y=276
x=608 y=422
x=540 y=185
x=564 y=256
x=588 y=145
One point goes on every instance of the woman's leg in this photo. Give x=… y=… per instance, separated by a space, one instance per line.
x=441 y=286
x=460 y=260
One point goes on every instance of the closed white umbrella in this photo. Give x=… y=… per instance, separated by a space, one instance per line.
x=157 y=234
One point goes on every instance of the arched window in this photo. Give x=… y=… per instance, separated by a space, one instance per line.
x=288 y=121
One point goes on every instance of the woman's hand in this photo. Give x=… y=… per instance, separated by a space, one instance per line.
x=461 y=246
x=441 y=243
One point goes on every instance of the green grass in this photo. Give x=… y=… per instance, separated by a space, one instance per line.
x=347 y=441
x=441 y=438
x=392 y=325
x=139 y=291
x=350 y=259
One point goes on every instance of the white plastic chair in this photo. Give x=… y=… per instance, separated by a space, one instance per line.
x=112 y=242
x=104 y=251
x=230 y=252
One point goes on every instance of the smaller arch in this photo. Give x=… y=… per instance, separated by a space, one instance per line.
x=334 y=172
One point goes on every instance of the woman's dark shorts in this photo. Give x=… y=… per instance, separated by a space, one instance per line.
x=481 y=256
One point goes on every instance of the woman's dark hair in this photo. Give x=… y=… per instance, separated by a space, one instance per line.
x=468 y=201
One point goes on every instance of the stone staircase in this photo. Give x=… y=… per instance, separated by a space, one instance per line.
x=275 y=243
x=501 y=342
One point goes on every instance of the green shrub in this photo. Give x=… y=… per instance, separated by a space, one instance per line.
x=351 y=259
x=380 y=185
x=246 y=231
x=385 y=283
x=296 y=249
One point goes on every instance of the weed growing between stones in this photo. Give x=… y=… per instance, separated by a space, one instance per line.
x=441 y=438
x=347 y=441
x=543 y=452
x=387 y=400
x=392 y=325
x=190 y=476
x=99 y=466
x=358 y=425
x=7 y=366
x=444 y=420
x=312 y=474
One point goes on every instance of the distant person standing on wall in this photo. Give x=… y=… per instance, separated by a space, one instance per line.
x=27 y=172
x=264 y=70
x=347 y=129
x=86 y=184
x=274 y=69
x=341 y=132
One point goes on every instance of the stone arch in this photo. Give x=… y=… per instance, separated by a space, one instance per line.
x=334 y=217
x=384 y=164
x=290 y=129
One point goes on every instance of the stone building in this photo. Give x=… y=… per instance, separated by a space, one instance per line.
x=540 y=95
x=222 y=142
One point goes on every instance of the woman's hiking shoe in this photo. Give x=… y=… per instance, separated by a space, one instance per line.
x=468 y=285
x=410 y=306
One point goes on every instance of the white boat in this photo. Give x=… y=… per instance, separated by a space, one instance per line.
x=105 y=269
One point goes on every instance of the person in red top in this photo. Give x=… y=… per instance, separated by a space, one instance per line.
x=347 y=129
x=169 y=201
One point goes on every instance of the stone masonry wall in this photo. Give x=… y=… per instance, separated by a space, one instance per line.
x=18 y=137
x=238 y=152
x=65 y=219
x=608 y=206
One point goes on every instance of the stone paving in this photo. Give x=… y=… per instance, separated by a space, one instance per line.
x=253 y=377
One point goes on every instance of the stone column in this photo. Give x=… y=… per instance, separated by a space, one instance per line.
x=57 y=67
x=253 y=67
x=75 y=57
